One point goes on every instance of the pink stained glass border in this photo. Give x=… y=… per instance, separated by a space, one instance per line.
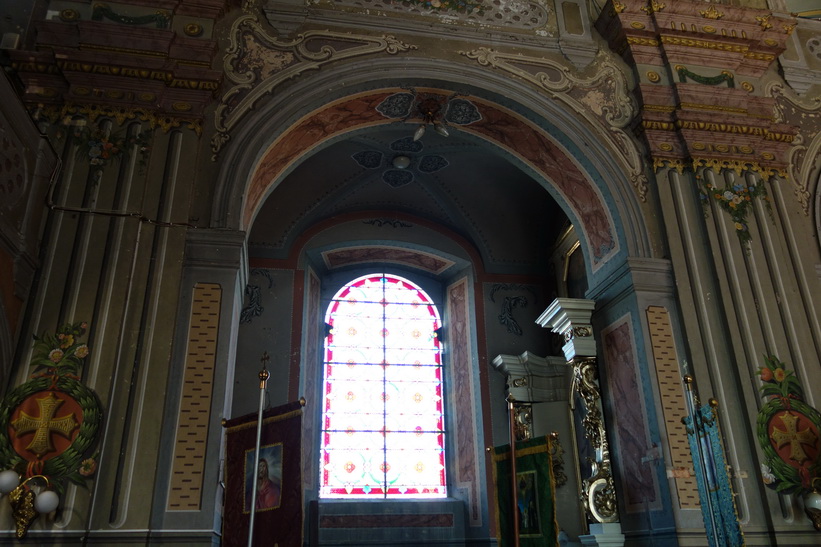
x=365 y=452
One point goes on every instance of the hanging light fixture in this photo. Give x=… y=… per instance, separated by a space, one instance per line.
x=27 y=501
x=812 y=503
x=431 y=111
x=401 y=162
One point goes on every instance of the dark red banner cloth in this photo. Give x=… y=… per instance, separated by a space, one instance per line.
x=278 y=518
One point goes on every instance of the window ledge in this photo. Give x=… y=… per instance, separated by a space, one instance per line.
x=390 y=521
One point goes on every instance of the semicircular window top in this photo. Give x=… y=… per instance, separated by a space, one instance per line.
x=382 y=408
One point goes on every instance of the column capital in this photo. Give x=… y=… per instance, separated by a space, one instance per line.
x=570 y=317
x=534 y=379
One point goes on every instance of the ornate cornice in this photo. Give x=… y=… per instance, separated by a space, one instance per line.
x=55 y=113
x=692 y=114
x=94 y=58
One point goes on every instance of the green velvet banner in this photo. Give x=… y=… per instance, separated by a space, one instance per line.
x=535 y=494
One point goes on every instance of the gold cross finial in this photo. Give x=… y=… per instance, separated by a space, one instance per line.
x=45 y=424
x=263 y=374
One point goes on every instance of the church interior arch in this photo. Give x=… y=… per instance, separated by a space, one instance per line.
x=620 y=192
x=484 y=208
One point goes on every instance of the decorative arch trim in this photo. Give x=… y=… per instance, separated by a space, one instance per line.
x=366 y=254
x=517 y=136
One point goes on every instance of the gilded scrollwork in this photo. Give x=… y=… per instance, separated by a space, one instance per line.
x=598 y=493
x=256 y=63
x=557 y=458
x=578 y=331
x=520 y=382
x=604 y=100
x=523 y=421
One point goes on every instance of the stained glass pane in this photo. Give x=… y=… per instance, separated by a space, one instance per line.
x=383 y=423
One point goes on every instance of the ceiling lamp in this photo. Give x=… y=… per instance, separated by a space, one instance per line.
x=27 y=502
x=812 y=503
x=402 y=162
x=432 y=113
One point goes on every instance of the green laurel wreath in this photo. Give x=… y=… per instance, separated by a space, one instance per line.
x=786 y=393
x=788 y=480
x=67 y=464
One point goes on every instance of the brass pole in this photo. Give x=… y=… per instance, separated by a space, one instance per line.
x=263 y=382
x=514 y=486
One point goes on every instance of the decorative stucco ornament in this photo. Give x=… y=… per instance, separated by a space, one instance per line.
x=49 y=425
x=788 y=431
x=256 y=63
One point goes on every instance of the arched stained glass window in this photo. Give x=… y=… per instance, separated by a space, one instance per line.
x=382 y=417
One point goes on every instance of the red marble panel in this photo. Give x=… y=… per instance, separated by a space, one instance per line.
x=458 y=336
x=628 y=417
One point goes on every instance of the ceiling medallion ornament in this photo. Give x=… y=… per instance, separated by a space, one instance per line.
x=789 y=431
x=432 y=109
x=400 y=169
x=48 y=428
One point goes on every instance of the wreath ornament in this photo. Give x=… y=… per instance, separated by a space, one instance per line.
x=48 y=427
x=788 y=431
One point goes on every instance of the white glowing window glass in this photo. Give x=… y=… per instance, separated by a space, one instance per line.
x=382 y=417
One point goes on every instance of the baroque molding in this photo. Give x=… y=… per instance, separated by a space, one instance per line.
x=557 y=457
x=257 y=63
x=603 y=100
x=807 y=142
x=523 y=418
x=254 y=307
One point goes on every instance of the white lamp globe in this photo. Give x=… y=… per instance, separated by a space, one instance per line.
x=46 y=502
x=9 y=479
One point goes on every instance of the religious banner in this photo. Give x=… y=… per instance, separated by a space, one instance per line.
x=535 y=489
x=49 y=425
x=278 y=501
x=715 y=492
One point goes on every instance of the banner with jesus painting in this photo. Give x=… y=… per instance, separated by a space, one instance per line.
x=535 y=488
x=278 y=501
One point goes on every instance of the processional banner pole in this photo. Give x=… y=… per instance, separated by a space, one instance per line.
x=702 y=453
x=514 y=486
x=263 y=382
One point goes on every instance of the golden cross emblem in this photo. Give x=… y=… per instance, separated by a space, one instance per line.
x=45 y=424
x=793 y=437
